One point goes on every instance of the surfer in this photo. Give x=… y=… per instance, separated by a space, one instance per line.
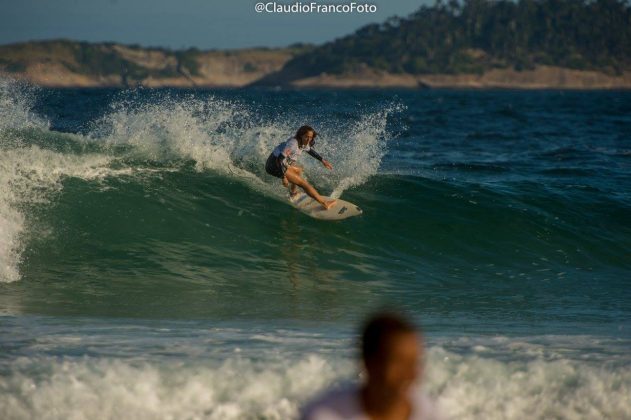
x=281 y=163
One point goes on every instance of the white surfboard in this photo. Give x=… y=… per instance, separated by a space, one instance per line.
x=340 y=210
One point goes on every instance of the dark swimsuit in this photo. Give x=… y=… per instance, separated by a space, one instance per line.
x=275 y=164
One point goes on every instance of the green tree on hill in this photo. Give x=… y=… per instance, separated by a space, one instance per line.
x=476 y=35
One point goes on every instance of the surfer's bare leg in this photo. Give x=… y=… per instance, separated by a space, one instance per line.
x=292 y=187
x=294 y=178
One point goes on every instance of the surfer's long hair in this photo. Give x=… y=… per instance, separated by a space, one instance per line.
x=304 y=130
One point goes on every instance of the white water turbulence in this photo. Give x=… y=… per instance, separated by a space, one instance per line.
x=483 y=382
x=546 y=377
x=113 y=389
x=169 y=130
x=30 y=174
x=358 y=149
x=226 y=137
x=15 y=117
x=235 y=140
x=16 y=102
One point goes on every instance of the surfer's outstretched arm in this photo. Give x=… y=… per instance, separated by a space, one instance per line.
x=316 y=155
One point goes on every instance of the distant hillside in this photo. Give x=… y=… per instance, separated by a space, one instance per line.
x=582 y=44
x=536 y=43
x=69 y=63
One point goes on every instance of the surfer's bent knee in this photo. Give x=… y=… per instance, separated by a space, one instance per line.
x=294 y=170
x=301 y=182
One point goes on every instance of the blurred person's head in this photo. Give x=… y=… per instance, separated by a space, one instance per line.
x=391 y=352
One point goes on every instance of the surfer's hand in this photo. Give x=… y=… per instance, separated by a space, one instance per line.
x=327 y=164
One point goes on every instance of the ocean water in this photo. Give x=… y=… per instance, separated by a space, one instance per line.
x=149 y=268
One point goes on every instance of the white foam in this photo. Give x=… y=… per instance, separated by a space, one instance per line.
x=491 y=378
x=227 y=137
x=112 y=389
x=169 y=130
x=476 y=387
x=29 y=176
x=16 y=103
x=16 y=100
x=217 y=135
x=359 y=150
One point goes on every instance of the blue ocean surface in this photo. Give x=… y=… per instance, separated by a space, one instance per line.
x=150 y=268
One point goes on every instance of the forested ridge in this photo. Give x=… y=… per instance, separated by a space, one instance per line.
x=473 y=36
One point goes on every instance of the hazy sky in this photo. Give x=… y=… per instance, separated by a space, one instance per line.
x=184 y=23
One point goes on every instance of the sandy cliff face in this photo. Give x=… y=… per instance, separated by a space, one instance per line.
x=66 y=64
x=55 y=74
x=150 y=59
x=238 y=68
x=542 y=77
x=71 y=64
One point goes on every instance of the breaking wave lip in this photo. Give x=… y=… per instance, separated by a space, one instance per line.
x=24 y=171
x=217 y=135
x=16 y=104
x=30 y=174
x=230 y=138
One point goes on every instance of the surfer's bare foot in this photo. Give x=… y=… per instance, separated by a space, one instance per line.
x=293 y=193
x=328 y=204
